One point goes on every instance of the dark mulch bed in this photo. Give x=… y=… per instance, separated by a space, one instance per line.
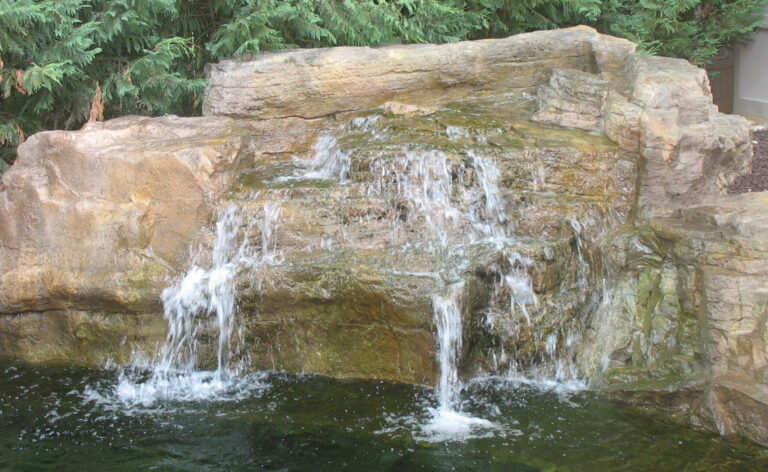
x=757 y=181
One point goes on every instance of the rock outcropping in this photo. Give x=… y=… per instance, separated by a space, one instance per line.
x=567 y=189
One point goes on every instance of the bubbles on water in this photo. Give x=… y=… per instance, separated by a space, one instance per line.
x=451 y=425
x=164 y=391
x=188 y=306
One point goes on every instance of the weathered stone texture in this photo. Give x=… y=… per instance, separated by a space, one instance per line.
x=314 y=83
x=78 y=337
x=99 y=219
x=662 y=109
x=95 y=223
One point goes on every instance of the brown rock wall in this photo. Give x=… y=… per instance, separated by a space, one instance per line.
x=95 y=223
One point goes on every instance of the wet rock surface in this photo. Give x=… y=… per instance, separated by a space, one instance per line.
x=568 y=192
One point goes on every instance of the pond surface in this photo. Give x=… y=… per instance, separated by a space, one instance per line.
x=65 y=419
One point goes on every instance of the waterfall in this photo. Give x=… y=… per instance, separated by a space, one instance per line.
x=454 y=213
x=423 y=181
x=202 y=291
x=188 y=305
x=447 y=420
x=453 y=202
x=489 y=218
x=520 y=287
x=329 y=161
x=447 y=204
x=583 y=265
x=447 y=316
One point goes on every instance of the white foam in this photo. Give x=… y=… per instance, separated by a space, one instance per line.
x=328 y=163
x=128 y=394
x=189 y=306
x=447 y=424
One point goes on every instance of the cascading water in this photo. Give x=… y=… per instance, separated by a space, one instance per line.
x=456 y=200
x=202 y=291
x=447 y=317
x=448 y=421
x=489 y=218
x=517 y=282
x=393 y=219
x=188 y=305
x=423 y=181
x=329 y=161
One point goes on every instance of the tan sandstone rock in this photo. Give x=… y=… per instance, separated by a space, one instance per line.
x=313 y=83
x=661 y=108
x=99 y=219
x=627 y=245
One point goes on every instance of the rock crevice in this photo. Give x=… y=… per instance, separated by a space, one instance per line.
x=572 y=188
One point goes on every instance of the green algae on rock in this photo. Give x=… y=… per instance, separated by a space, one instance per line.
x=570 y=186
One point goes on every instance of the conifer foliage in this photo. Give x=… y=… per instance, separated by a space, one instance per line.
x=66 y=62
x=691 y=29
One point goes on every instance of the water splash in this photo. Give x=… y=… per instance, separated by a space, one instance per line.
x=188 y=305
x=202 y=291
x=447 y=421
x=329 y=161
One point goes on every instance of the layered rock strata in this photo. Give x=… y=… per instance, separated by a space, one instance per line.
x=605 y=253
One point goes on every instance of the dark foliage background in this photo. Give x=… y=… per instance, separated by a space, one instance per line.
x=65 y=61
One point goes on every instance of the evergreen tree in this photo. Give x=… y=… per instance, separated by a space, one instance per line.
x=692 y=29
x=64 y=62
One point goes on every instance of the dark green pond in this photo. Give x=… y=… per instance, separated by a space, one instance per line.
x=52 y=419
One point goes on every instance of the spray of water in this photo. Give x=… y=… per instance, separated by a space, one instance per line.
x=423 y=182
x=329 y=161
x=447 y=421
x=189 y=305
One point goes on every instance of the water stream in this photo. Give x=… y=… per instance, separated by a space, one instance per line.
x=448 y=421
x=203 y=300
x=521 y=406
x=431 y=190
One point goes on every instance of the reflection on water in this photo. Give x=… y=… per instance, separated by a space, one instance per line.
x=63 y=419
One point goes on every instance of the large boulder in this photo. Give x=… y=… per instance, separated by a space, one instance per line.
x=570 y=187
x=100 y=218
x=683 y=323
x=662 y=109
x=726 y=243
x=314 y=83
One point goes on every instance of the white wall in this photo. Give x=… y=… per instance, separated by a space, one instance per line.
x=751 y=88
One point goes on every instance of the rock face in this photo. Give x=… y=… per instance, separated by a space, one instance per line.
x=664 y=112
x=315 y=83
x=724 y=245
x=563 y=192
x=98 y=219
